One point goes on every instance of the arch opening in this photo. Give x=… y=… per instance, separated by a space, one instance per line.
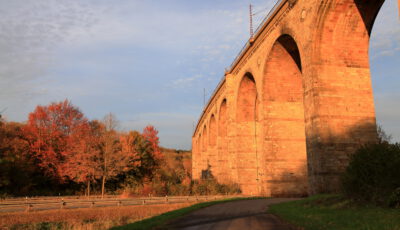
x=205 y=138
x=223 y=158
x=247 y=97
x=212 y=153
x=284 y=144
x=197 y=158
x=205 y=156
x=213 y=131
x=247 y=127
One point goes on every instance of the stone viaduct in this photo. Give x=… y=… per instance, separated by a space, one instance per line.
x=295 y=102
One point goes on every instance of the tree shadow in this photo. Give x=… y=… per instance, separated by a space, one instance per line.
x=328 y=155
x=207 y=173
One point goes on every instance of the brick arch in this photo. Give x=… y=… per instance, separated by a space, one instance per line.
x=343 y=31
x=199 y=144
x=284 y=144
x=199 y=158
x=212 y=132
x=222 y=119
x=223 y=155
x=246 y=134
x=247 y=99
x=205 y=138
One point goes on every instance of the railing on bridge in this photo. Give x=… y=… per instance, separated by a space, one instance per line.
x=256 y=33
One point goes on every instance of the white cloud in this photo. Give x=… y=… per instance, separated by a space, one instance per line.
x=185 y=82
x=30 y=30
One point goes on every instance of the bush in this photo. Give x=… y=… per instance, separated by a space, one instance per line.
x=373 y=174
x=212 y=187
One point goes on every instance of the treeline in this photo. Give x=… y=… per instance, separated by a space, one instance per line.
x=58 y=151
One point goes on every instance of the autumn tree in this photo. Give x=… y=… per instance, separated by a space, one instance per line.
x=113 y=159
x=15 y=167
x=51 y=131
x=142 y=162
x=84 y=164
x=150 y=134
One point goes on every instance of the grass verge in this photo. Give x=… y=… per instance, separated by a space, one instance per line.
x=333 y=212
x=163 y=219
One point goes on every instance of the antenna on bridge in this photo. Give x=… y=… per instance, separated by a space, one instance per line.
x=251 y=20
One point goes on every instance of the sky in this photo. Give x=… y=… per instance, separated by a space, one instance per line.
x=148 y=62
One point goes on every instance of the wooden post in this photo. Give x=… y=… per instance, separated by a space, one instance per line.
x=63 y=204
x=28 y=207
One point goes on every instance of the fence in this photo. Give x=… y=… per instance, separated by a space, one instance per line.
x=40 y=204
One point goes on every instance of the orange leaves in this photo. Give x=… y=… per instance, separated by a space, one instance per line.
x=52 y=132
x=151 y=135
x=64 y=146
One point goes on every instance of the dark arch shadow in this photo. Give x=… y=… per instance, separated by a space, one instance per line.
x=369 y=10
x=291 y=47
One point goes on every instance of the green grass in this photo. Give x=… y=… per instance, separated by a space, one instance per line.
x=333 y=212
x=163 y=219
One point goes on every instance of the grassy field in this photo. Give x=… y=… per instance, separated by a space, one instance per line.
x=332 y=212
x=88 y=218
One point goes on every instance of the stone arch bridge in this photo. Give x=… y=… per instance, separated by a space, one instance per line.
x=295 y=102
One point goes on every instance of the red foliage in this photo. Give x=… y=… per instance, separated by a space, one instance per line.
x=151 y=135
x=52 y=132
x=84 y=164
x=129 y=146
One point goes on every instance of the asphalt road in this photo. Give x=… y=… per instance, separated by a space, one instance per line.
x=235 y=215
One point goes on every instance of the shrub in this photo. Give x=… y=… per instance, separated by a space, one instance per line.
x=212 y=187
x=373 y=174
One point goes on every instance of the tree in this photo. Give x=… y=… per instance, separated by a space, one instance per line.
x=141 y=161
x=84 y=164
x=151 y=135
x=112 y=158
x=15 y=167
x=51 y=131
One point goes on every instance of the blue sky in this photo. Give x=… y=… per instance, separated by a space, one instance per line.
x=148 y=61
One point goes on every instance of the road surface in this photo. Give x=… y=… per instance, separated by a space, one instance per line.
x=235 y=215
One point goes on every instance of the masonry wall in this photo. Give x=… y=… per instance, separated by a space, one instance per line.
x=295 y=105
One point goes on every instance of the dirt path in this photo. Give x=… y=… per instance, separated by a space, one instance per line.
x=235 y=215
